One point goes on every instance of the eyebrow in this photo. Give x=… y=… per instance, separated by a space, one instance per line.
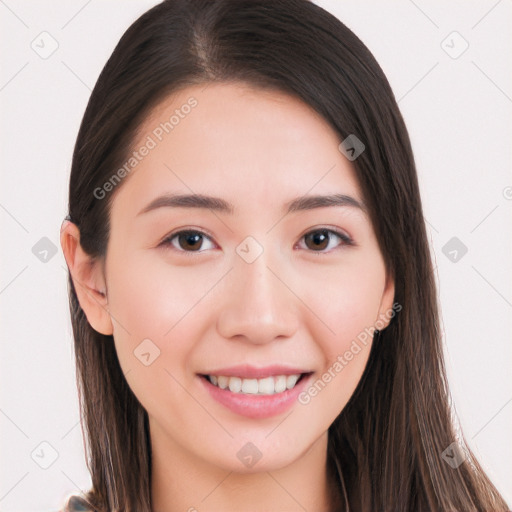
x=217 y=204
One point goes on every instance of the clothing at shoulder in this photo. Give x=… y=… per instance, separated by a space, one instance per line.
x=77 y=504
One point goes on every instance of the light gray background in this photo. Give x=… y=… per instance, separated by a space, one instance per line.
x=458 y=113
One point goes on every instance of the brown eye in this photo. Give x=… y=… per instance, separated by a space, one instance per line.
x=320 y=239
x=190 y=241
x=187 y=241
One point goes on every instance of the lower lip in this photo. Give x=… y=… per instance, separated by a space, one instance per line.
x=256 y=406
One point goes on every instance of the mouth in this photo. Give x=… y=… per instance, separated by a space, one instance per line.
x=256 y=392
x=267 y=386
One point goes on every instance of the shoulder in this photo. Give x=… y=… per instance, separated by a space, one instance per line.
x=77 y=504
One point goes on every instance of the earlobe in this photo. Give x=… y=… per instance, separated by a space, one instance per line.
x=88 y=279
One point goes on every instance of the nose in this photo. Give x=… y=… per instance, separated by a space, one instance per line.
x=259 y=306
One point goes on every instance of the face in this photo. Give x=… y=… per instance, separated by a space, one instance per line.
x=254 y=289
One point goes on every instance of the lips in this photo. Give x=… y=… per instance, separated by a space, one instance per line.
x=256 y=392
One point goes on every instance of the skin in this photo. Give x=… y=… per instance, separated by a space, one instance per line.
x=209 y=308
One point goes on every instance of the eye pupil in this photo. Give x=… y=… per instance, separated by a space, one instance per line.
x=190 y=238
x=318 y=237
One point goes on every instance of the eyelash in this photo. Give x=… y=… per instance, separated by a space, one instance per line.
x=167 y=242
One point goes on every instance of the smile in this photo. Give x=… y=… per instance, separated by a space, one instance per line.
x=266 y=386
x=256 y=398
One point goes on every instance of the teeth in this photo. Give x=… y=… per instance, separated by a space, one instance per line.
x=222 y=381
x=266 y=386
x=280 y=384
x=291 y=380
x=235 y=384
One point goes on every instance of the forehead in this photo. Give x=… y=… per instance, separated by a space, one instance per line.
x=238 y=142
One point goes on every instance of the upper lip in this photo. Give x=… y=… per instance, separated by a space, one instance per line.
x=248 y=371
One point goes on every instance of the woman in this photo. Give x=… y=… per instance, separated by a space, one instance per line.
x=294 y=361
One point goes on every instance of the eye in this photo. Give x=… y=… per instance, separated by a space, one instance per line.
x=317 y=240
x=320 y=239
x=187 y=241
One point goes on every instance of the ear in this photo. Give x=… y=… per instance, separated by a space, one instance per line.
x=88 y=278
x=386 y=310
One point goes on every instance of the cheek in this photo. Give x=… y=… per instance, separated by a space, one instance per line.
x=346 y=302
x=348 y=308
x=149 y=300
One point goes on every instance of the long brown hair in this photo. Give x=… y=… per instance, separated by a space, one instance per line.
x=386 y=447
